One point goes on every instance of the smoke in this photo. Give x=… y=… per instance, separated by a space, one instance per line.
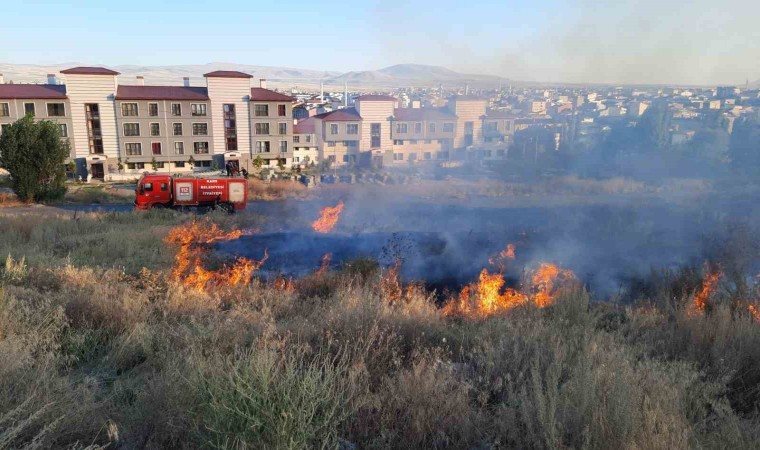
x=582 y=41
x=606 y=240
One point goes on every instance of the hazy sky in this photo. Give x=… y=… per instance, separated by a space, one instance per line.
x=614 y=41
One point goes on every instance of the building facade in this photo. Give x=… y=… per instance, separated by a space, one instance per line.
x=116 y=128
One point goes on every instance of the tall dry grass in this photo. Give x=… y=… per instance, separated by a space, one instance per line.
x=98 y=352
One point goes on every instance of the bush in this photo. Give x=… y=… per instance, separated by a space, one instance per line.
x=34 y=155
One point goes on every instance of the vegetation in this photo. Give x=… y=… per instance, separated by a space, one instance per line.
x=34 y=155
x=101 y=348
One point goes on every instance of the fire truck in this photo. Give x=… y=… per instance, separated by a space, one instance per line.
x=167 y=191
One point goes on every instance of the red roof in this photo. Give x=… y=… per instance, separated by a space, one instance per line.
x=305 y=126
x=89 y=71
x=265 y=95
x=33 y=91
x=340 y=115
x=161 y=93
x=227 y=74
x=405 y=114
x=376 y=98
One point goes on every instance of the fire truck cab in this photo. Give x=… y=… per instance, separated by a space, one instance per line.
x=166 y=191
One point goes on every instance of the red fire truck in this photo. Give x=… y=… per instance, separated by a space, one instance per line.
x=166 y=191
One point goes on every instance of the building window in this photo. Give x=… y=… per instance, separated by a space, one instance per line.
x=131 y=129
x=179 y=148
x=296 y=139
x=179 y=164
x=155 y=129
x=178 y=129
x=200 y=148
x=442 y=155
x=281 y=110
x=374 y=134
x=200 y=129
x=129 y=109
x=412 y=157
x=230 y=127
x=56 y=110
x=283 y=146
x=401 y=128
x=262 y=146
x=308 y=138
x=198 y=109
x=431 y=127
x=64 y=130
x=448 y=127
x=428 y=141
x=155 y=147
x=398 y=156
x=5 y=111
x=427 y=156
x=333 y=128
x=283 y=128
x=398 y=142
x=418 y=128
x=331 y=158
x=331 y=143
x=352 y=128
x=261 y=110
x=133 y=148
x=94 y=131
x=133 y=166
x=261 y=128
x=351 y=144
x=153 y=109
x=29 y=108
x=202 y=164
x=176 y=109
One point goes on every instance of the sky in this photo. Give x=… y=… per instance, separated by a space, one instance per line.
x=578 y=41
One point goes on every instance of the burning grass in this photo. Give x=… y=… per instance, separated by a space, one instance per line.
x=193 y=241
x=328 y=218
x=113 y=356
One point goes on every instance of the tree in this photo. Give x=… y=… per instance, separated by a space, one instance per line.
x=258 y=162
x=154 y=164
x=744 y=148
x=34 y=155
x=654 y=128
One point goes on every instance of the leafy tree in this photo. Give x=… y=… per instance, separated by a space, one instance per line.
x=744 y=148
x=653 y=129
x=34 y=155
x=214 y=165
x=258 y=162
x=119 y=164
x=154 y=164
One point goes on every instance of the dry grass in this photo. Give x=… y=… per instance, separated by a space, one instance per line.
x=97 y=352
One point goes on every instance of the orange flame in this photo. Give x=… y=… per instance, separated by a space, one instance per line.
x=502 y=258
x=754 y=312
x=324 y=266
x=485 y=298
x=709 y=282
x=193 y=240
x=328 y=218
x=390 y=283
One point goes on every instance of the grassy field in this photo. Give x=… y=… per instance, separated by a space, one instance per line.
x=102 y=348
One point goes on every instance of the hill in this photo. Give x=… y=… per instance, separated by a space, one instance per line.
x=393 y=76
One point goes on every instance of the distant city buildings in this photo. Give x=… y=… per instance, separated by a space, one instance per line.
x=125 y=128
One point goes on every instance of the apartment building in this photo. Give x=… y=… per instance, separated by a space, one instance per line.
x=116 y=129
x=377 y=130
x=43 y=101
x=305 y=150
x=271 y=116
